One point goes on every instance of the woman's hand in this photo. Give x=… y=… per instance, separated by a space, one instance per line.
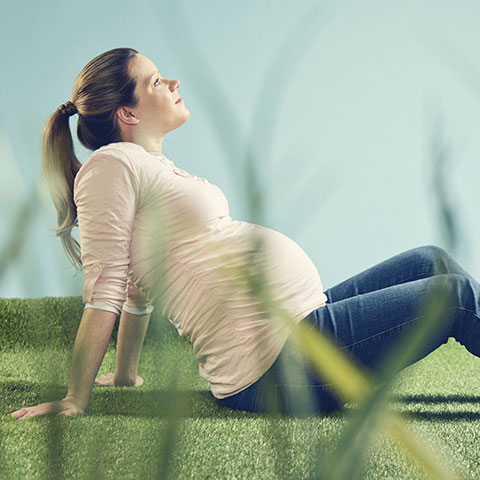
x=60 y=408
x=109 y=380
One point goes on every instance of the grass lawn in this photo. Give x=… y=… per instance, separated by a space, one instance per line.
x=147 y=432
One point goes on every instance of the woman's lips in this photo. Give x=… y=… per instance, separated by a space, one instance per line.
x=179 y=100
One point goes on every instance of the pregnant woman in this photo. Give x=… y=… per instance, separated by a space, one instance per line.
x=153 y=234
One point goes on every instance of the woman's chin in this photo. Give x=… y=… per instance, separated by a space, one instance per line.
x=180 y=121
x=186 y=116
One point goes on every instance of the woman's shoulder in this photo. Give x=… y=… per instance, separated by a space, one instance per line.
x=127 y=153
x=124 y=159
x=115 y=159
x=121 y=149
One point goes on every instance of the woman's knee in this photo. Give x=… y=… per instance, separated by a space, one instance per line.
x=455 y=290
x=435 y=257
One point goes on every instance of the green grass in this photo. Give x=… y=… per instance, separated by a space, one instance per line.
x=130 y=432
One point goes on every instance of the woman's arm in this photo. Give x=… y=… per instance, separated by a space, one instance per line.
x=131 y=334
x=91 y=343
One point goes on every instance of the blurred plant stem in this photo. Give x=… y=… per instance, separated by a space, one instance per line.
x=353 y=384
x=442 y=169
x=18 y=232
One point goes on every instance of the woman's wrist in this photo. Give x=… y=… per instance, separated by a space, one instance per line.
x=81 y=404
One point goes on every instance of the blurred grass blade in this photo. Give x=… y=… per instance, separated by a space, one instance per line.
x=347 y=460
x=351 y=383
x=441 y=164
x=155 y=222
x=174 y=412
x=351 y=447
x=15 y=242
x=271 y=96
x=411 y=344
x=348 y=381
x=454 y=57
x=418 y=450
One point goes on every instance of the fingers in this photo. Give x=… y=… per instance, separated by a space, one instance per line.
x=18 y=413
x=24 y=413
x=63 y=408
x=29 y=412
x=41 y=409
x=28 y=415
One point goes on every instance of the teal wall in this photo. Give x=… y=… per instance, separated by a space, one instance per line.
x=343 y=106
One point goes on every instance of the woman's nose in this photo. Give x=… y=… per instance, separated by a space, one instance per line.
x=174 y=84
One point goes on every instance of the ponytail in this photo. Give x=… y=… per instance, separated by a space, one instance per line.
x=103 y=85
x=60 y=165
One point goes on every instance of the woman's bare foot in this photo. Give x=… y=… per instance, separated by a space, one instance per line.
x=109 y=380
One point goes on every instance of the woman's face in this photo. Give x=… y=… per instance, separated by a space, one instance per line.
x=159 y=110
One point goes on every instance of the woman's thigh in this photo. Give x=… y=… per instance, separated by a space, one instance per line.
x=414 y=264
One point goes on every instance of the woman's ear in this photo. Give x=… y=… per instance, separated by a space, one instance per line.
x=126 y=116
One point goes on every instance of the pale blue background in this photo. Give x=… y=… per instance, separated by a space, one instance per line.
x=339 y=103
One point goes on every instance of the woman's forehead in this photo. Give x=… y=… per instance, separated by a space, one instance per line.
x=143 y=68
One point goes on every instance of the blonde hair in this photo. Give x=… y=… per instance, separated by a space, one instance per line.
x=103 y=85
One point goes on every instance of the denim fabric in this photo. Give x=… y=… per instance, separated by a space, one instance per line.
x=366 y=315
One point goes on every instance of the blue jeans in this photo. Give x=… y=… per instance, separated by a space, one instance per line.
x=366 y=315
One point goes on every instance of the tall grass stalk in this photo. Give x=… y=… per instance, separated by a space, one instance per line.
x=244 y=164
x=352 y=384
x=19 y=230
x=175 y=410
x=455 y=58
x=373 y=411
x=178 y=404
x=442 y=163
x=258 y=161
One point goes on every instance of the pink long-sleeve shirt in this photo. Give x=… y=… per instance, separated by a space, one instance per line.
x=152 y=234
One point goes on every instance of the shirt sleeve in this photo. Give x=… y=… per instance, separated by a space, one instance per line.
x=103 y=306
x=106 y=193
x=136 y=302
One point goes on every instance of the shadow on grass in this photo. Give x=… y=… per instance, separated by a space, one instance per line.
x=118 y=401
x=201 y=404
x=437 y=398
x=443 y=416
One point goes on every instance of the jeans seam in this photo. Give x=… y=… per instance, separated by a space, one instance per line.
x=469 y=311
x=410 y=279
x=390 y=329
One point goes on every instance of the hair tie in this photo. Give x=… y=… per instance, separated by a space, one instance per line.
x=67 y=108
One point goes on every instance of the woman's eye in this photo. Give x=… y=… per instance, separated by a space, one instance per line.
x=157 y=80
